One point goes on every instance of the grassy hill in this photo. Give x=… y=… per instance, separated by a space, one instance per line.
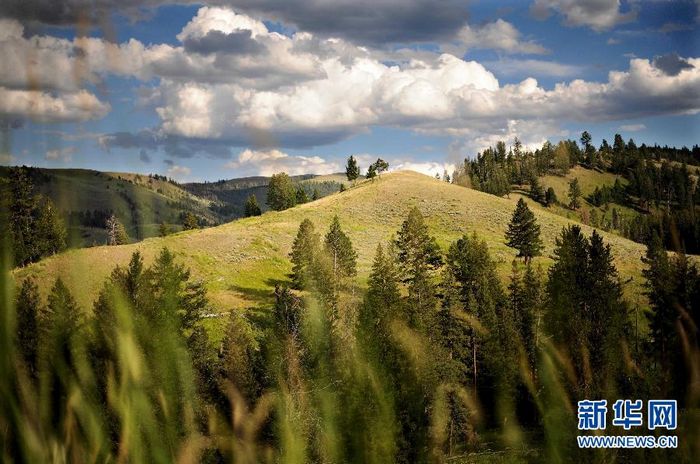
x=241 y=261
x=588 y=180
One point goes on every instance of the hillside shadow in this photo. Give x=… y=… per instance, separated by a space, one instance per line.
x=260 y=296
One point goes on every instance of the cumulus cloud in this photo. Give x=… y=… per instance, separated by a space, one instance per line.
x=45 y=107
x=599 y=15
x=268 y=162
x=430 y=168
x=232 y=82
x=499 y=35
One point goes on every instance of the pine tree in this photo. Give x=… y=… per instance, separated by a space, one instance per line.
x=673 y=289
x=352 y=170
x=380 y=166
x=371 y=172
x=190 y=221
x=22 y=205
x=492 y=358
x=304 y=251
x=301 y=196
x=61 y=324
x=340 y=250
x=529 y=317
x=164 y=230
x=237 y=355
x=29 y=309
x=383 y=295
x=382 y=302
x=252 y=208
x=281 y=193
x=523 y=232
x=550 y=197
x=574 y=194
x=418 y=254
x=49 y=229
x=586 y=313
x=536 y=190
x=176 y=299
x=316 y=195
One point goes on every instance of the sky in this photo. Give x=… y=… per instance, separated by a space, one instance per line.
x=231 y=88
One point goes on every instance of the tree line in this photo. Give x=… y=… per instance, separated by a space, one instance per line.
x=659 y=185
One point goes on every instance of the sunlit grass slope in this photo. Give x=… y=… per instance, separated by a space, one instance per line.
x=241 y=261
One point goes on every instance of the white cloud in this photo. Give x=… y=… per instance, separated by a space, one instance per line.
x=303 y=90
x=45 y=107
x=63 y=154
x=632 y=127
x=499 y=35
x=268 y=162
x=178 y=172
x=429 y=168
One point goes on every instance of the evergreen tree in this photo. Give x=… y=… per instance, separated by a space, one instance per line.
x=303 y=254
x=589 y=151
x=28 y=307
x=339 y=248
x=176 y=299
x=371 y=172
x=164 y=230
x=383 y=295
x=586 y=313
x=673 y=288
x=50 y=232
x=523 y=232
x=550 y=197
x=316 y=195
x=252 y=208
x=352 y=170
x=561 y=162
x=574 y=194
x=382 y=303
x=418 y=254
x=21 y=211
x=190 y=221
x=529 y=317
x=301 y=196
x=238 y=350
x=380 y=166
x=536 y=190
x=60 y=329
x=281 y=193
x=116 y=232
x=492 y=352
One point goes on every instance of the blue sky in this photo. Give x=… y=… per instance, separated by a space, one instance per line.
x=204 y=92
